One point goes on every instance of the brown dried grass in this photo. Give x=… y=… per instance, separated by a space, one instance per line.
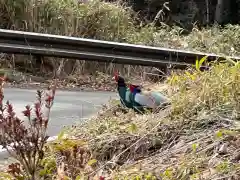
x=197 y=136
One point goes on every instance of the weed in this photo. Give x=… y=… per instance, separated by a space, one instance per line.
x=26 y=143
x=74 y=154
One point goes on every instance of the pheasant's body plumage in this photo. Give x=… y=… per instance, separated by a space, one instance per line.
x=150 y=99
x=134 y=98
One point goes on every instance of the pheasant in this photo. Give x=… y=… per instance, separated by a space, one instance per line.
x=133 y=97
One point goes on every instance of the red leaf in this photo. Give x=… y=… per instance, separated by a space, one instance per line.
x=101 y=178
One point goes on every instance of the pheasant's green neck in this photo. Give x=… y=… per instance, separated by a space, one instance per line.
x=122 y=92
x=127 y=98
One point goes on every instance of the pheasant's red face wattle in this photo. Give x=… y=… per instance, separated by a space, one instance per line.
x=116 y=76
x=131 y=87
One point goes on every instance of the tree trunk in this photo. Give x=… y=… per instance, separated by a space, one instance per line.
x=223 y=12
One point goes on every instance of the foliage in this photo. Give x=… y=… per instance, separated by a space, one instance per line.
x=107 y=21
x=48 y=167
x=90 y=19
x=186 y=140
x=215 y=39
x=202 y=91
x=219 y=40
x=25 y=143
x=74 y=155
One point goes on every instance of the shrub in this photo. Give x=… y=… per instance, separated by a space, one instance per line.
x=25 y=143
x=202 y=91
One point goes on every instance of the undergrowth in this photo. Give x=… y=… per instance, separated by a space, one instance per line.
x=111 y=21
x=106 y=21
x=196 y=137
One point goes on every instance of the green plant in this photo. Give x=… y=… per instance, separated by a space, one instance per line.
x=200 y=62
x=194 y=147
x=224 y=167
x=204 y=90
x=180 y=141
x=48 y=167
x=5 y=175
x=93 y=19
x=74 y=154
x=167 y=174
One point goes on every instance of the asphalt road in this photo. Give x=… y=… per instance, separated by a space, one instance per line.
x=69 y=107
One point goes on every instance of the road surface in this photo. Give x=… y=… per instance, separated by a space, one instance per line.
x=69 y=107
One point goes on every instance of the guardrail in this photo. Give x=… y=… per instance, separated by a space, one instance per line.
x=19 y=42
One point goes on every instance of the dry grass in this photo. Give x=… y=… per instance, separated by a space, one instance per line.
x=216 y=39
x=105 y=21
x=93 y=19
x=197 y=137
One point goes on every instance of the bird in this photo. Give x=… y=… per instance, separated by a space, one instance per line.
x=133 y=97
